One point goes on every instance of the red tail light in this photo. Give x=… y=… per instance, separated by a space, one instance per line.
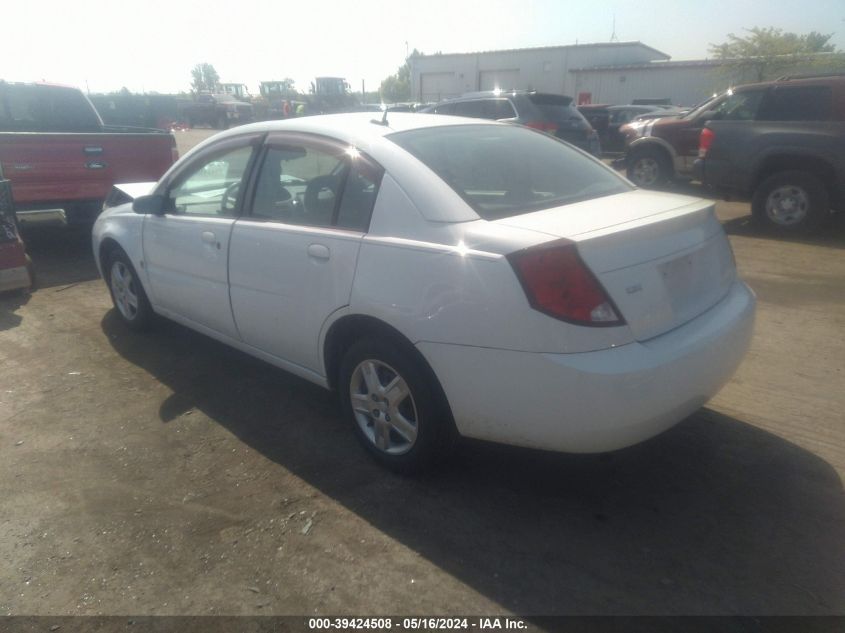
x=543 y=126
x=558 y=283
x=705 y=140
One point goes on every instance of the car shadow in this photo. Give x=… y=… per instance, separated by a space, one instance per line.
x=10 y=302
x=832 y=235
x=714 y=516
x=61 y=256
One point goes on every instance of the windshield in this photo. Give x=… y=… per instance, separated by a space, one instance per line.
x=702 y=107
x=507 y=170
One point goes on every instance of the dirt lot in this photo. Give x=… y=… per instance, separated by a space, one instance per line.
x=166 y=474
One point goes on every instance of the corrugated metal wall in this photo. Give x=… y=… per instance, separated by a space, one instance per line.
x=544 y=69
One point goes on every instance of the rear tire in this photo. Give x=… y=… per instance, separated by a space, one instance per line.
x=649 y=168
x=127 y=293
x=791 y=202
x=396 y=410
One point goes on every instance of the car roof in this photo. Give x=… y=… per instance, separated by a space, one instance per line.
x=359 y=130
x=352 y=127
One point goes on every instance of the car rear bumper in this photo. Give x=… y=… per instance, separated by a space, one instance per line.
x=595 y=401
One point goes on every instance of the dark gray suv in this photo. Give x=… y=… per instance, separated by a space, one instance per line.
x=551 y=113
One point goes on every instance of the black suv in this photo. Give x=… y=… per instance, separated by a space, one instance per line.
x=551 y=113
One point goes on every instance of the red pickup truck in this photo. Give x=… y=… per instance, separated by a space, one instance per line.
x=63 y=161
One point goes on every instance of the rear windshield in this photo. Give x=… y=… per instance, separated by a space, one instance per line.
x=507 y=170
x=556 y=108
x=38 y=108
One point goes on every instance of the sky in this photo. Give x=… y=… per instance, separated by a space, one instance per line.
x=151 y=46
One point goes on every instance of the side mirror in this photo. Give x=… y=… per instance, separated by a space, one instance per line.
x=153 y=204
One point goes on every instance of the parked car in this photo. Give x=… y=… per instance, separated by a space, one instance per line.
x=787 y=154
x=550 y=113
x=219 y=111
x=62 y=160
x=446 y=277
x=617 y=116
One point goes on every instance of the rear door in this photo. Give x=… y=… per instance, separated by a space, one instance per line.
x=293 y=258
x=186 y=250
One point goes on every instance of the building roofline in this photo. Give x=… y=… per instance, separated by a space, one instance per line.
x=654 y=65
x=547 y=48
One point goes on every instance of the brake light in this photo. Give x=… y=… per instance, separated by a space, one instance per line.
x=558 y=283
x=543 y=126
x=705 y=140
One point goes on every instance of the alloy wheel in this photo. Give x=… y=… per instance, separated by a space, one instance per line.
x=384 y=407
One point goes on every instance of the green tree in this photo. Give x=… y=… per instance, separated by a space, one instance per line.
x=765 y=53
x=204 y=78
x=397 y=87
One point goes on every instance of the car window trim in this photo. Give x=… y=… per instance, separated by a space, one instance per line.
x=313 y=140
x=215 y=149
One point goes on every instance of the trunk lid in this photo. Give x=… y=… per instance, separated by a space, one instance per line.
x=663 y=258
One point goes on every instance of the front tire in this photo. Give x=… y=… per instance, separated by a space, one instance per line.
x=791 y=201
x=396 y=410
x=649 y=168
x=127 y=293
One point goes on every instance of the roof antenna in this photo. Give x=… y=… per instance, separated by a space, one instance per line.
x=383 y=118
x=613 y=37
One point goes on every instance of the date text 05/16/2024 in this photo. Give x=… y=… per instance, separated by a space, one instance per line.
x=417 y=623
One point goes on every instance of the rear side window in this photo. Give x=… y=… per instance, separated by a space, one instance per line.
x=35 y=108
x=474 y=109
x=804 y=103
x=500 y=109
x=505 y=170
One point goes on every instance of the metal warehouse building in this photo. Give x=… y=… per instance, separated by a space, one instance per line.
x=613 y=72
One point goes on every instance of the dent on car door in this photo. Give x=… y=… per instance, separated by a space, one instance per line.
x=186 y=250
x=293 y=257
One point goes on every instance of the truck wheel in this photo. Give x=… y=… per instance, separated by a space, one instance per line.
x=127 y=293
x=648 y=168
x=791 y=201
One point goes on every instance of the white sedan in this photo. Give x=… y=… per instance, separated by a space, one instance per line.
x=447 y=277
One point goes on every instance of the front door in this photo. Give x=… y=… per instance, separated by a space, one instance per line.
x=186 y=250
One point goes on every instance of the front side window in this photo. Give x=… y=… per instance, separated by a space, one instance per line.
x=316 y=186
x=503 y=170
x=739 y=106
x=212 y=187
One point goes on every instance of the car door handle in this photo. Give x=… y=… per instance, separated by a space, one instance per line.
x=209 y=238
x=319 y=251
